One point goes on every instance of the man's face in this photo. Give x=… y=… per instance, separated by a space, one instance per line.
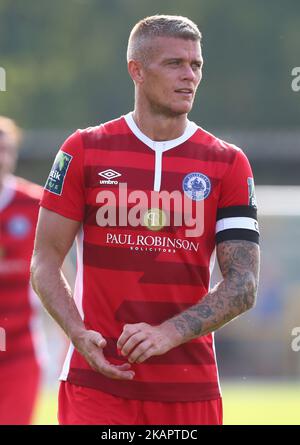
x=172 y=74
x=8 y=156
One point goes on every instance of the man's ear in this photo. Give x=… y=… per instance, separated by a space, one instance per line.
x=136 y=71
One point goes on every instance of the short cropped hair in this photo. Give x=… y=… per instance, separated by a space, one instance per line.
x=9 y=129
x=159 y=26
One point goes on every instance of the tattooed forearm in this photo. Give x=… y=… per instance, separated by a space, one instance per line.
x=235 y=294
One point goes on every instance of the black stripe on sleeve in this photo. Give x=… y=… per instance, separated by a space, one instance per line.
x=241 y=211
x=237 y=234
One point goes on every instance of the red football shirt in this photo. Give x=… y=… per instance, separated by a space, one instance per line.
x=19 y=206
x=148 y=272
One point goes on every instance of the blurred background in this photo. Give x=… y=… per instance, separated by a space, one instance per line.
x=65 y=65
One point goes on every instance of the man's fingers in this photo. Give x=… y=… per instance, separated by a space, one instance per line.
x=128 y=332
x=124 y=338
x=141 y=349
x=91 y=347
x=132 y=342
x=123 y=367
x=100 y=364
x=117 y=372
x=97 y=339
x=147 y=354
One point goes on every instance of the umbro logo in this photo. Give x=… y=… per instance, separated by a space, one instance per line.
x=109 y=175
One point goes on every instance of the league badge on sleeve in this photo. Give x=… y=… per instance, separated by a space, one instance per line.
x=251 y=193
x=196 y=186
x=56 y=178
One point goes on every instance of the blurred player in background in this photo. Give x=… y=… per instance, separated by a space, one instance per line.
x=20 y=361
x=142 y=320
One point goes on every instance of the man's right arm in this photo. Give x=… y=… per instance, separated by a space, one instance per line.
x=54 y=238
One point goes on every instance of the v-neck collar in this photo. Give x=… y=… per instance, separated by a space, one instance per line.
x=159 y=147
x=190 y=129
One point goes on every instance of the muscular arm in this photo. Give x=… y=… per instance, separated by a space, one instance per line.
x=235 y=294
x=54 y=237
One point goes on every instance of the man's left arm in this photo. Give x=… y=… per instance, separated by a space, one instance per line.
x=235 y=294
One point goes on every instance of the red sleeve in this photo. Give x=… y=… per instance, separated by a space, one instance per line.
x=236 y=188
x=64 y=188
x=237 y=213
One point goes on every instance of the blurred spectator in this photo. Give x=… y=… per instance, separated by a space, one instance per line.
x=20 y=360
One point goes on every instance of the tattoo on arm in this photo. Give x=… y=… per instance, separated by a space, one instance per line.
x=236 y=293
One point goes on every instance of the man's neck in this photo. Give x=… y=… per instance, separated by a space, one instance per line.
x=159 y=127
x=6 y=180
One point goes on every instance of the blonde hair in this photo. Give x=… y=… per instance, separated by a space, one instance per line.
x=8 y=128
x=159 y=26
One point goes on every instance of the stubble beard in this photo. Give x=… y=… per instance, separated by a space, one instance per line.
x=166 y=110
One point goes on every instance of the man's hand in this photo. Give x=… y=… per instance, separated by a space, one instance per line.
x=141 y=341
x=90 y=344
x=235 y=294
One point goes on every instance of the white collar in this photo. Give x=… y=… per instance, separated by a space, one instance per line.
x=190 y=129
x=7 y=192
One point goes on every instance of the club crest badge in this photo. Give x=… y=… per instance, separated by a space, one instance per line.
x=196 y=186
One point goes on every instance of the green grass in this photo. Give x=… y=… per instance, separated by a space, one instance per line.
x=261 y=404
x=244 y=404
x=46 y=409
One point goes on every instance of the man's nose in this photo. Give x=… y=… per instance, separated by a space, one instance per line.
x=189 y=73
